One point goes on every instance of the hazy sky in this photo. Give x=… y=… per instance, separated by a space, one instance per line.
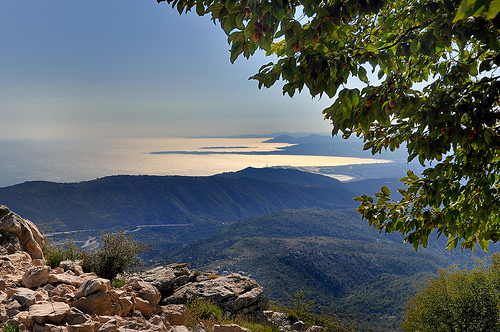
x=132 y=68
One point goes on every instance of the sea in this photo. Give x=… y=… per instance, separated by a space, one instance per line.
x=71 y=160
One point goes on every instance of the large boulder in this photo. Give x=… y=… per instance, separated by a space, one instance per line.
x=143 y=289
x=91 y=286
x=36 y=276
x=100 y=304
x=49 y=312
x=19 y=233
x=168 y=278
x=234 y=293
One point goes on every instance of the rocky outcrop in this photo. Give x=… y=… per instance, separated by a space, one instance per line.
x=18 y=234
x=234 y=293
x=34 y=297
x=168 y=278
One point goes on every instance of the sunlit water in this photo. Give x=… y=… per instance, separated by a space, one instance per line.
x=73 y=161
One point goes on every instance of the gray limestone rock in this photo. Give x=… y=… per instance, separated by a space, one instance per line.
x=233 y=293
x=91 y=286
x=168 y=278
x=25 y=299
x=19 y=233
x=36 y=276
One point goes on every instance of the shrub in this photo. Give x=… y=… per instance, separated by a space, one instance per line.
x=458 y=300
x=200 y=310
x=118 y=253
x=55 y=254
x=9 y=327
x=302 y=310
x=118 y=282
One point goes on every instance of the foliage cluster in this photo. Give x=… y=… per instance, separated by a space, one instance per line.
x=201 y=310
x=118 y=253
x=303 y=310
x=55 y=254
x=10 y=328
x=458 y=300
x=434 y=87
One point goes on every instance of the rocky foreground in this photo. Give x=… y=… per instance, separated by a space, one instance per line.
x=34 y=297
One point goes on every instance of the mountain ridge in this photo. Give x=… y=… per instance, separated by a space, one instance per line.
x=135 y=199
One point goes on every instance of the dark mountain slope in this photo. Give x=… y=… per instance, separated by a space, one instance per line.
x=285 y=175
x=136 y=200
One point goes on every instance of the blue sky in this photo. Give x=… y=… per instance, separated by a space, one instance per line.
x=127 y=68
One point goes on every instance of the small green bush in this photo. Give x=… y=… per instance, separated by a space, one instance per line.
x=201 y=310
x=204 y=311
x=10 y=328
x=118 y=253
x=56 y=254
x=118 y=282
x=302 y=310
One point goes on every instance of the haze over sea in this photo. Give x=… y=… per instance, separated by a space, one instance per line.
x=80 y=160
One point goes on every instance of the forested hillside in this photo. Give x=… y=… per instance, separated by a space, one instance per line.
x=348 y=268
x=138 y=200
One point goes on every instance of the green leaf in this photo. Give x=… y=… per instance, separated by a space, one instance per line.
x=200 y=9
x=385 y=190
x=493 y=9
x=463 y=10
x=371 y=48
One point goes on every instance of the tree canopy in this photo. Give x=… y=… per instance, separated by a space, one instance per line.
x=457 y=300
x=428 y=71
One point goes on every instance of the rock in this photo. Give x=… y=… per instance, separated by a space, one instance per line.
x=229 y=328
x=66 y=278
x=144 y=290
x=80 y=328
x=36 y=276
x=25 y=299
x=97 y=304
x=234 y=293
x=316 y=328
x=110 y=325
x=71 y=266
x=200 y=328
x=28 y=235
x=168 y=278
x=175 y=314
x=13 y=308
x=48 y=312
x=75 y=316
x=280 y=319
x=55 y=328
x=298 y=325
x=91 y=286
x=160 y=323
x=127 y=305
x=25 y=318
x=145 y=307
x=19 y=256
x=179 y=328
